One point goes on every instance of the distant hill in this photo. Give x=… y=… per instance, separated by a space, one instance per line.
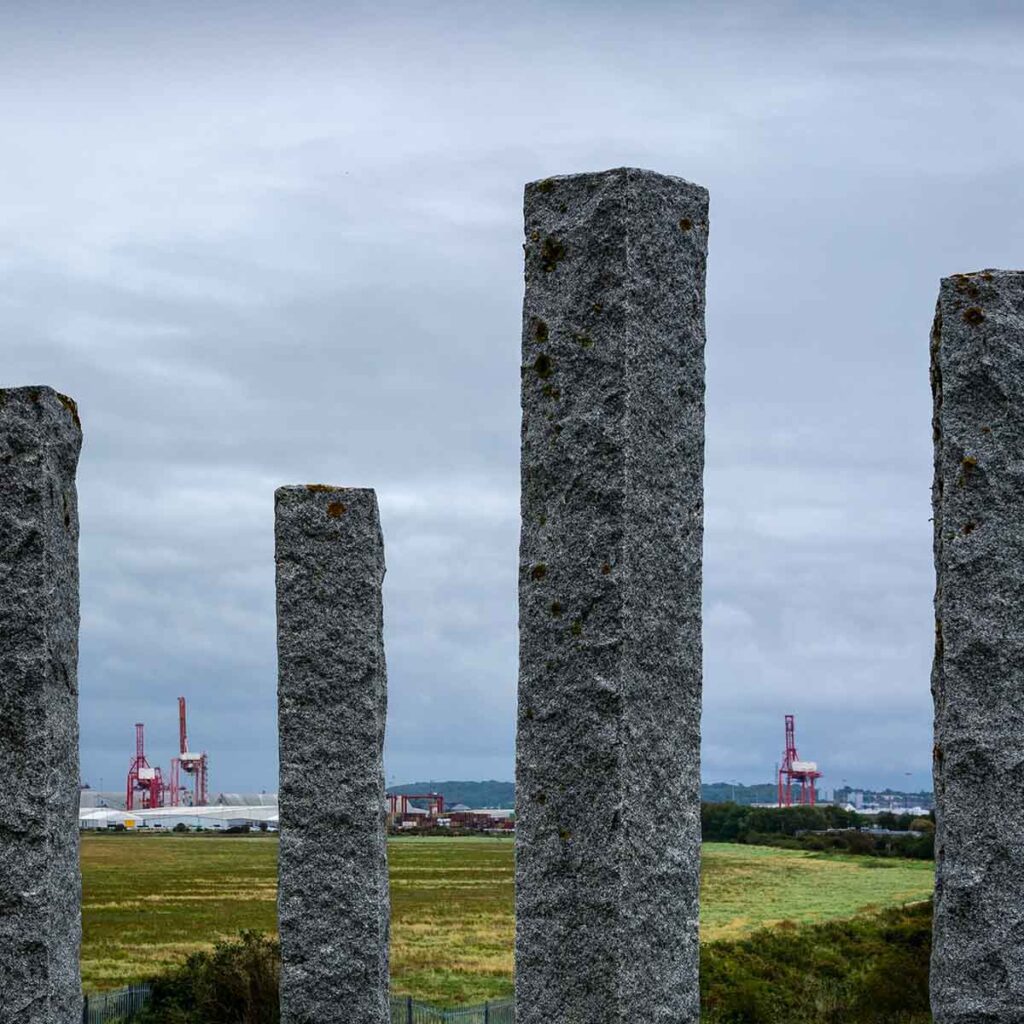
x=503 y=794
x=472 y=794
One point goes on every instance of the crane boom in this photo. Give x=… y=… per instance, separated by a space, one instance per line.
x=182 y=733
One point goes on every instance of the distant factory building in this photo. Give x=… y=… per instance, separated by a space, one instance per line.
x=483 y=819
x=230 y=810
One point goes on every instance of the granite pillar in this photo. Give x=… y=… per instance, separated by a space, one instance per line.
x=333 y=905
x=40 y=888
x=977 y=368
x=608 y=746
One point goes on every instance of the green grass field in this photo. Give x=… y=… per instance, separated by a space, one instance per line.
x=150 y=900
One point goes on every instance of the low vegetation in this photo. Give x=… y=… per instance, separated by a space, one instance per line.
x=235 y=983
x=747 y=888
x=452 y=926
x=861 y=971
x=865 y=970
x=148 y=901
x=151 y=901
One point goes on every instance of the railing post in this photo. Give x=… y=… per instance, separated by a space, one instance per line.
x=85 y=1010
x=487 y=1013
x=408 y=1009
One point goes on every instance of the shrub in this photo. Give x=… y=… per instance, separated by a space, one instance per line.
x=237 y=983
x=861 y=971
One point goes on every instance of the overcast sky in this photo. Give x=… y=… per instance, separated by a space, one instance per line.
x=281 y=243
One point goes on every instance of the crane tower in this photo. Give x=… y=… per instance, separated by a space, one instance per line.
x=191 y=763
x=793 y=770
x=145 y=783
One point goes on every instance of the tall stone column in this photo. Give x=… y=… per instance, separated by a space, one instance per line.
x=607 y=769
x=40 y=888
x=977 y=367
x=333 y=905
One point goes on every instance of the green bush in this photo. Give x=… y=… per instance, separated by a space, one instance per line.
x=235 y=984
x=867 y=970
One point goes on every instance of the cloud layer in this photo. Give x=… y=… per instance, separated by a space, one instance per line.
x=269 y=244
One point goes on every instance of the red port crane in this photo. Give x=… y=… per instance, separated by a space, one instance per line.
x=793 y=770
x=196 y=765
x=144 y=781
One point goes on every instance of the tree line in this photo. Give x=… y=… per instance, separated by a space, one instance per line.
x=821 y=828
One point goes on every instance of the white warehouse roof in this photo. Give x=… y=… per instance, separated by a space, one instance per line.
x=246 y=799
x=212 y=816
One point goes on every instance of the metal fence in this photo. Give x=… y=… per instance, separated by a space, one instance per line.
x=120 y=1005
x=123 y=1004
x=405 y=1010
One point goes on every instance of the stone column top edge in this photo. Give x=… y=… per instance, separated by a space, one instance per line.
x=311 y=489
x=37 y=392
x=294 y=493
x=546 y=184
x=988 y=274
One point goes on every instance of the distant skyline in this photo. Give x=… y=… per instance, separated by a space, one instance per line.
x=265 y=244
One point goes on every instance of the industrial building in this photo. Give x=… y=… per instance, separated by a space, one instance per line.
x=404 y=815
x=228 y=810
x=480 y=819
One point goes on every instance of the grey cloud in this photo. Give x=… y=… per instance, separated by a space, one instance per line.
x=265 y=245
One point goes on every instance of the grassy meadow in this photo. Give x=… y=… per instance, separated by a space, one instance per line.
x=149 y=900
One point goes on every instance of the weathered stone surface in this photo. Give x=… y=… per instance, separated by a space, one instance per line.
x=333 y=905
x=40 y=889
x=978 y=672
x=608 y=803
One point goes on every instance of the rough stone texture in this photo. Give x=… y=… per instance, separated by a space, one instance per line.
x=608 y=801
x=40 y=888
x=978 y=672
x=333 y=904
